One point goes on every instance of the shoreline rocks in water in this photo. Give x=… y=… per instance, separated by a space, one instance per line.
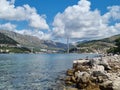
x=100 y=73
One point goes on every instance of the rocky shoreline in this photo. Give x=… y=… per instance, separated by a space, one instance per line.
x=100 y=73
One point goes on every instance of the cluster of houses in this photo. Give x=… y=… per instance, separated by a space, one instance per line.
x=6 y=50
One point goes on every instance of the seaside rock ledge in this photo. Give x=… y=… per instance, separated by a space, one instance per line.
x=100 y=73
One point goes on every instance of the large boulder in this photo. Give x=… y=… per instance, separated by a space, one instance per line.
x=98 y=68
x=100 y=61
x=82 y=68
x=85 y=78
x=106 y=85
x=116 y=84
x=98 y=73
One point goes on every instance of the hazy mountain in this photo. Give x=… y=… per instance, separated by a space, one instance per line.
x=32 y=41
x=95 y=46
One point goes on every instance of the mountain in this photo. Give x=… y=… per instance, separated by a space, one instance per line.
x=95 y=46
x=34 y=42
x=8 y=45
x=7 y=40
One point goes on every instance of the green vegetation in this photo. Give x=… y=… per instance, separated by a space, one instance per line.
x=7 y=40
x=14 y=50
x=34 y=42
x=8 y=45
x=98 y=46
x=115 y=50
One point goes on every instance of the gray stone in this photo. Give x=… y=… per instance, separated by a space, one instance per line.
x=116 y=84
x=70 y=88
x=85 y=78
x=106 y=85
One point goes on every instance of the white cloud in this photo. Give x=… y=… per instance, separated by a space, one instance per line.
x=37 y=22
x=42 y=35
x=114 y=12
x=78 y=21
x=7 y=26
x=12 y=1
x=8 y=11
x=39 y=34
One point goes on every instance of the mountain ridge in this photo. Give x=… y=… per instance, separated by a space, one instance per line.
x=8 y=45
x=96 y=46
x=7 y=40
x=32 y=41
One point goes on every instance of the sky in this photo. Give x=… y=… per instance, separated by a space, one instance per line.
x=60 y=19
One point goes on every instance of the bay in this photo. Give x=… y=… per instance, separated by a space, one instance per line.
x=34 y=71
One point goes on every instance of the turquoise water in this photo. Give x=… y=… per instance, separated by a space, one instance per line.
x=33 y=71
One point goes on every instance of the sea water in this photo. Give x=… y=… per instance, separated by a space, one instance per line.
x=34 y=71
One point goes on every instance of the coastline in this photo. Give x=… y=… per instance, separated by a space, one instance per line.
x=99 y=73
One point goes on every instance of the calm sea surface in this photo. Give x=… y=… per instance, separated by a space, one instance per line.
x=33 y=71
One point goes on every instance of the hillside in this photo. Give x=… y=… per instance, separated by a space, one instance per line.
x=8 y=45
x=7 y=40
x=95 y=46
x=34 y=42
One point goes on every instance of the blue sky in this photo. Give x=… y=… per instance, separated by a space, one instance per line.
x=48 y=7
x=58 y=19
x=51 y=7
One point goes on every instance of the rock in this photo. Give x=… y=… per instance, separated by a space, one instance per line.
x=93 y=79
x=98 y=68
x=116 y=84
x=68 y=78
x=106 y=85
x=85 y=78
x=98 y=73
x=78 y=76
x=101 y=73
x=70 y=72
x=107 y=67
x=112 y=76
x=100 y=79
x=94 y=61
x=68 y=83
x=88 y=86
x=104 y=62
x=76 y=63
x=81 y=61
x=73 y=79
x=116 y=55
x=81 y=68
x=100 y=61
x=70 y=88
x=81 y=86
x=92 y=86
